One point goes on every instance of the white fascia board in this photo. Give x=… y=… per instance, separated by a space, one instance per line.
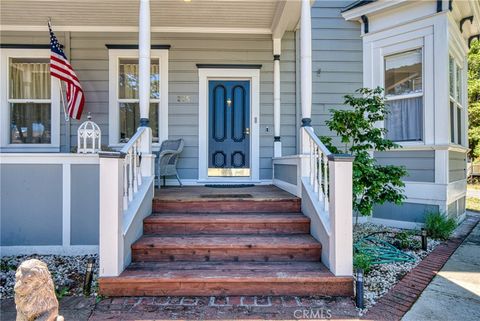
x=374 y=7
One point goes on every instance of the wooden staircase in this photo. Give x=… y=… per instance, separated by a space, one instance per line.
x=231 y=243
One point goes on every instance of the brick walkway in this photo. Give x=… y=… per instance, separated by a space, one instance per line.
x=224 y=308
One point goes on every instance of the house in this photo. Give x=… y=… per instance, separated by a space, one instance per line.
x=248 y=85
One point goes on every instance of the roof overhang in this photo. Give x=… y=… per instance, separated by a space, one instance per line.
x=358 y=9
x=196 y=16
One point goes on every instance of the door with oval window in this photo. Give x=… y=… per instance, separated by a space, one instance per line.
x=229 y=128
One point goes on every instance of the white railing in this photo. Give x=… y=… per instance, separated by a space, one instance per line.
x=126 y=194
x=132 y=171
x=319 y=175
x=327 y=200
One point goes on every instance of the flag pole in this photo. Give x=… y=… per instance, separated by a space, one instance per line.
x=62 y=98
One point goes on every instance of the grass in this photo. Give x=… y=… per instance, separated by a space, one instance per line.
x=473 y=203
x=474 y=186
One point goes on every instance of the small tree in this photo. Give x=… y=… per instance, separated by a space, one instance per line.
x=474 y=100
x=372 y=183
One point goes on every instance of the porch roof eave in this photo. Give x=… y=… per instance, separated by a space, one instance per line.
x=171 y=16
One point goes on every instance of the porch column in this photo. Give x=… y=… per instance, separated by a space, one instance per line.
x=306 y=70
x=144 y=61
x=277 y=144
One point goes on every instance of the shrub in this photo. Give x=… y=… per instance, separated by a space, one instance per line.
x=405 y=240
x=362 y=261
x=439 y=226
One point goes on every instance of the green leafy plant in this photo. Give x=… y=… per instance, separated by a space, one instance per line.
x=359 y=136
x=61 y=292
x=405 y=240
x=362 y=261
x=474 y=100
x=439 y=226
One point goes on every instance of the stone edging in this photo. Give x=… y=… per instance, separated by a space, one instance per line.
x=393 y=305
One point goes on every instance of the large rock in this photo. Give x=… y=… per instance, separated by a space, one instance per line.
x=35 y=293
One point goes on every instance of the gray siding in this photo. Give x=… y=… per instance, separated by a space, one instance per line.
x=336 y=60
x=457 y=208
x=89 y=57
x=84 y=211
x=407 y=212
x=457 y=166
x=420 y=165
x=286 y=173
x=31 y=204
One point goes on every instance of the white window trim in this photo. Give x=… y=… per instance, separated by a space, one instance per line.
x=457 y=50
x=374 y=73
x=206 y=74
x=5 y=145
x=114 y=55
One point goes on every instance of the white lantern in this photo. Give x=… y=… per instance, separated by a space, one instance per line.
x=89 y=137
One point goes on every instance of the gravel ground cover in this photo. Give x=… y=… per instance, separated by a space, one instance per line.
x=67 y=273
x=381 y=278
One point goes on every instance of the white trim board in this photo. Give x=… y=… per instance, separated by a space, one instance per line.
x=206 y=74
x=48 y=249
x=391 y=223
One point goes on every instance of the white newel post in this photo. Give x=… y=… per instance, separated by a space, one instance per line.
x=340 y=213
x=277 y=144
x=306 y=72
x=144 y=61
x=111 y=213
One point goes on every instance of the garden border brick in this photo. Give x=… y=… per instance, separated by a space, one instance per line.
x=398 y=301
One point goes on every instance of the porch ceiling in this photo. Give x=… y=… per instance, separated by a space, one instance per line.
x=235 y=16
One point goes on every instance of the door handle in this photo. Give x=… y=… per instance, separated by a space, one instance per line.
x=247 y=131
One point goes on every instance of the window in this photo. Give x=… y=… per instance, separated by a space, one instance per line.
x=124 y=95
x=404 y=94
x=30 y=101
x=456 y=102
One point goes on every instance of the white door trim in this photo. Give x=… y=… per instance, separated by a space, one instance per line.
x=206 y=74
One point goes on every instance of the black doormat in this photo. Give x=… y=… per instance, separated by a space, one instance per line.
x=227 y=196
x=229 y=185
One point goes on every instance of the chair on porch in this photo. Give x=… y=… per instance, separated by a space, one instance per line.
x=167 y=158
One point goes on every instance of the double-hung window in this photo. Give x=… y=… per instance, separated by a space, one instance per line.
x=30 y=101
x=456 y=102
x=124 y=95
x=404 y=93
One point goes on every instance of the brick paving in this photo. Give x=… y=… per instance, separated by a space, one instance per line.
x=225 y=308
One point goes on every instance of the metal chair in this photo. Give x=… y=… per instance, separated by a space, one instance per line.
x=167 y=159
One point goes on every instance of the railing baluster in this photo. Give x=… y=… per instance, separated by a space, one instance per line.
x=125 y=185
x=319 y=175
x=325 y=181
x=130 y=176
x=311 y=162
x=315 y=168
x=135 y=173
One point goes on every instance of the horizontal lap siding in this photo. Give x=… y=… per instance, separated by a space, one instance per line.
x=89 y=57
x=420 y=165
x=457 y=166
x=336 y=60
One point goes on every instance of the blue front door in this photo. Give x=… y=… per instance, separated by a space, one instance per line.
x=229 y=128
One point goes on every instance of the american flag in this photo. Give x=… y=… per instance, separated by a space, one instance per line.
x=61 y=69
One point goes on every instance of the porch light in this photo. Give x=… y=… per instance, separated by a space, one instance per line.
x=89 y=137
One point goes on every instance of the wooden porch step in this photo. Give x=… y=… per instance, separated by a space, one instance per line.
x=227 y=204
x=226 y=223
x=226 y=278
x=245 y=248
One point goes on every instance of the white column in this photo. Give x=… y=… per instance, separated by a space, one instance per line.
x=340 y=213
x=144 y=61
x=305 y=72
x=111 y=213
x=277 y=144
x=306 y=62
